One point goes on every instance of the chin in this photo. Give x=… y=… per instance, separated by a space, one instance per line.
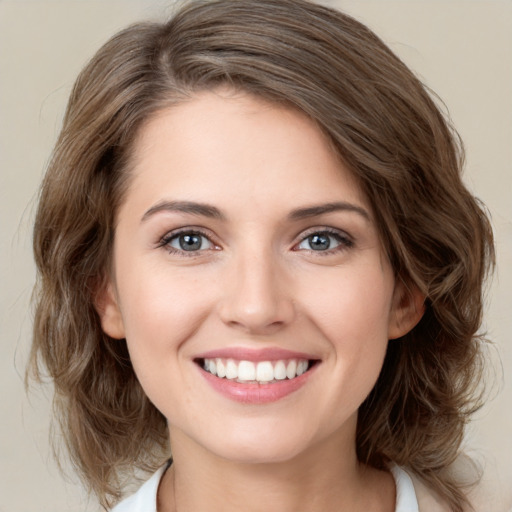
x=261 y=446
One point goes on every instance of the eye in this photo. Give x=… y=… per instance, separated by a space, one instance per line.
x=187 y=241
x=323 y=241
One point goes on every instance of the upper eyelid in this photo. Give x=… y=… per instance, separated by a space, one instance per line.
x=187 y=229
x=324 y=229
x=163 y=240
x=345 y=240
x=170 y=235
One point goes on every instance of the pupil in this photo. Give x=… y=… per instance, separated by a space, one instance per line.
x=319 y=242
x=190 y=242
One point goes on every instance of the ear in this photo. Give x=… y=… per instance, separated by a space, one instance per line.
x=407 y=309
x=107 y=306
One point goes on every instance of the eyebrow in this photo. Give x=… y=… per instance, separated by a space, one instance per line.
x=206 y=210
x=317 y=210
x=190 y=207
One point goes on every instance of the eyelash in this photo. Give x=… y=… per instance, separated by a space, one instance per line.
x=345 y=241
x=166 y=240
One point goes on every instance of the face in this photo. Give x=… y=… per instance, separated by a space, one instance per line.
x=249 y=280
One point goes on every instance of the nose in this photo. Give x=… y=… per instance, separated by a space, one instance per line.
x=257 y=297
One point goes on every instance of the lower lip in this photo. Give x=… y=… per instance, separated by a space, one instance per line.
x=254 y=393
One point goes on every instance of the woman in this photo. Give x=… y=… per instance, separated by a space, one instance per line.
x=256 y=252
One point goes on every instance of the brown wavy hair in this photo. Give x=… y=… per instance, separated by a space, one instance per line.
x=385 y=126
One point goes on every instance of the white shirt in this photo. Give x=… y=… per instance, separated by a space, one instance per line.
x=144 y=500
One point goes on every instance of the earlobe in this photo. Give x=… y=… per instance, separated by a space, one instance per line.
x=407 y=310
x=107 y=307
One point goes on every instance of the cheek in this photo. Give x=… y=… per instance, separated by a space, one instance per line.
x=161 y=312
x=351 y=305
x=162 y=309
x=353 y=317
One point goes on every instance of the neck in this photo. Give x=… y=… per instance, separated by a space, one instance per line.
x=326 y=478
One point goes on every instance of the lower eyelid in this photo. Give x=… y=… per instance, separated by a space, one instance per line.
x=342 y=240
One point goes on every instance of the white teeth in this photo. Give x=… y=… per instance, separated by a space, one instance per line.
x=280 y=371
x=291 y=369
x=212 y=367
x=263 y=371
x=302 y=366
x=246 y=371
x=221 y=369
x=231 y=369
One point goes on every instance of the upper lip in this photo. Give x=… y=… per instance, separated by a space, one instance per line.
x=255 y=355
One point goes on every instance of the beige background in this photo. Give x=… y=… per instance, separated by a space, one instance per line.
x=462 y=49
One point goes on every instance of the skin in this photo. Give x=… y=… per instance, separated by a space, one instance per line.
x=255 y=282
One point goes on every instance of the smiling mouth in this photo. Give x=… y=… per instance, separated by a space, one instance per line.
x=261 y=372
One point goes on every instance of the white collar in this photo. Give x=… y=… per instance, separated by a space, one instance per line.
x=406 y=500
x=144 y=500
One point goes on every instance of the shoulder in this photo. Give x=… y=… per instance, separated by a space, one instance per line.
x=428 y=500
x=144 y=500
x=412 y=495
x=483 y=496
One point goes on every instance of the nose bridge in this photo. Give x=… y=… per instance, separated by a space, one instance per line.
x=256 y=298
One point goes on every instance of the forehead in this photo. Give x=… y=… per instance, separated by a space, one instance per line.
x=223 y=144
